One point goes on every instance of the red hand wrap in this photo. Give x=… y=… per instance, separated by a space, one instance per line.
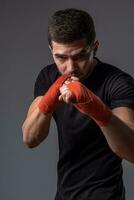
x=88 y=103
x=50 y=100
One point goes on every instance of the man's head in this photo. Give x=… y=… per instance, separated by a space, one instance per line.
x=71 y=36
x=69 y=25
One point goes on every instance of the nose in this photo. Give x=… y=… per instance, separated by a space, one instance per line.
x=71 y=65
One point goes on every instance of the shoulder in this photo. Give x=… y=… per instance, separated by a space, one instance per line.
x=48 y=73
x=114 y=76
x=115 y=87
x=109 y=69
x=45 y=79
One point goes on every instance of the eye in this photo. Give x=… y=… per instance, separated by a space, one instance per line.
x=60 y=58
x=79 y=57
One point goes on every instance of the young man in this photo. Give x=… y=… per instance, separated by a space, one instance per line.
x=93 y=105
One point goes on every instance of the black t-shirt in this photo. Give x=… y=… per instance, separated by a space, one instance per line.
x=87 y=167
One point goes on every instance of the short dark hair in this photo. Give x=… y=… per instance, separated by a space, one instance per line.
x=70 y=25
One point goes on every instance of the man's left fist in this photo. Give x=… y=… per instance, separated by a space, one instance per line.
x=88 y=103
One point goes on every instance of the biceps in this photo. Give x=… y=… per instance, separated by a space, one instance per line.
x=125 y=114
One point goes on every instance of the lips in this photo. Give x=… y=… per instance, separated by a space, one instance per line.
x=75 y=74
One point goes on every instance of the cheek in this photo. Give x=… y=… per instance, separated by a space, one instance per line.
x=61 y=67
x=87 y=62
x=83 y=64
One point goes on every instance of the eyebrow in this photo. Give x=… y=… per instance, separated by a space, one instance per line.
x=60 y=55
x=84 y=50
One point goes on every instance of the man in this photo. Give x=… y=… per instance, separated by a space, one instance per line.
x=93 y=105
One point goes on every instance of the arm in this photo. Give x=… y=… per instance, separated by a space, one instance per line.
x=36 y=126
x=119 y=133
x=115 y=125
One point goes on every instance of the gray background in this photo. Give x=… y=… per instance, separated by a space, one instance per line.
x=31 y=173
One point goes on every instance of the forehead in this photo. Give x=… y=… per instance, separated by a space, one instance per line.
x=68 y=48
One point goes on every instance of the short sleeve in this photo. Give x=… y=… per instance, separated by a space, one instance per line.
x=121 y=91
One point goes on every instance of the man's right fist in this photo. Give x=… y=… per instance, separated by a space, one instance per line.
x=50 y=100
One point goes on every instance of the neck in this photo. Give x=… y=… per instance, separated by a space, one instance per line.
x=92 y=67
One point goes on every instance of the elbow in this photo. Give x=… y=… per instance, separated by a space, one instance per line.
x=130 y=158
x=29 y=143
x=127 y=155
x=28 y=138
x=33 y=134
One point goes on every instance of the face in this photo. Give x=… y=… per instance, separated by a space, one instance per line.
x=75 y=59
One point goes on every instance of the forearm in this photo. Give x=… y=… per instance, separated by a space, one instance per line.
x=36 y=127
x=120 y=138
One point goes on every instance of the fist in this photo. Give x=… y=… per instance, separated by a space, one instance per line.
x=65 y=93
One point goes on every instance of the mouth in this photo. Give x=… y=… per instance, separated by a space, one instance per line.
x=75 y=74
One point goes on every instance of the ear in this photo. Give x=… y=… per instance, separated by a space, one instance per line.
x=50 y=48
x=96 y=45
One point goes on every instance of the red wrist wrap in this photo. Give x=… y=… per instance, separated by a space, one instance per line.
x=50 y=100
x=88 y=103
